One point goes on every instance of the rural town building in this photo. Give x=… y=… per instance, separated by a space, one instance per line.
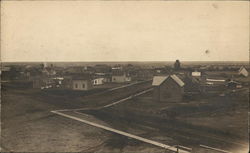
x=233 y=84
x=120 y=76
x=243 y=71
x=192 y=84
x=144 y=74
x=77 y=82
x=98 y=81
x=81 y=84
x=105 y=77
x=168 y=88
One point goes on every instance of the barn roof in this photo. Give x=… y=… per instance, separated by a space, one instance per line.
x=242 y=68
x=243 y=71
x=178 y=80
x=158 y=80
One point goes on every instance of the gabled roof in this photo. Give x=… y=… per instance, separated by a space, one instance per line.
x=232 y=81
x=158 y=80
x=242 y=68
x=178 y=80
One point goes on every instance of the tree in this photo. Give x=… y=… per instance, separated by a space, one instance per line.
x=177 y=65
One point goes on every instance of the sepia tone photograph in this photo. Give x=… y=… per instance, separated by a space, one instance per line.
x=125 y=76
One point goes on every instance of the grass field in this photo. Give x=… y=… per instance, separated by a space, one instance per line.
x=219 y=121
x=27 y=125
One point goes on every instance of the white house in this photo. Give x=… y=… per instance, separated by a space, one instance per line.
x=98 y=81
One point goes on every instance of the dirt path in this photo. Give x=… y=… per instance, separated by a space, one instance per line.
x=81 y=118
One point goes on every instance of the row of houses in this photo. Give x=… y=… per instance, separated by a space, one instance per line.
x=79 y=81
x=172 y=87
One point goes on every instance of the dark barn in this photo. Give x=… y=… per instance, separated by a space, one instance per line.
x=168 y=88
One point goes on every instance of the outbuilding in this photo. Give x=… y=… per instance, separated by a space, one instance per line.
x=168 y=88
x=243 y=71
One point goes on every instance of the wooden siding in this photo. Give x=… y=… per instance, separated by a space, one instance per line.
x=169 y=91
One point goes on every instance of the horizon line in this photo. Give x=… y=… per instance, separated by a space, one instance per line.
x=108 y=61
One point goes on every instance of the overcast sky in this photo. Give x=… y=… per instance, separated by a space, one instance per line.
x=124 y=31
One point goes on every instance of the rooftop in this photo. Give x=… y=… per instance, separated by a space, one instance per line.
x=158 y=80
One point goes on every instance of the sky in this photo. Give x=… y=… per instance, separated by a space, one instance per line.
x=124 y=31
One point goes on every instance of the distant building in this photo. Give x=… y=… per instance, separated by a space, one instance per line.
x=105 y=77
x=144 y=74
x=117 y=67
x=243 y=71
x=81 y=84
x=120 y=76
x=196 y=74
x=192 y=84
x=233 y=84
x=210 y=81
x=74 y=82
x=98 y=81
x=168 y=88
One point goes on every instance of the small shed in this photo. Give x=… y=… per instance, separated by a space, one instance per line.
x=243 y=71
x=168 y=88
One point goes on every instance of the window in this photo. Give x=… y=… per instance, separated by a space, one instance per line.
x=76 y=85
x=83 y=85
